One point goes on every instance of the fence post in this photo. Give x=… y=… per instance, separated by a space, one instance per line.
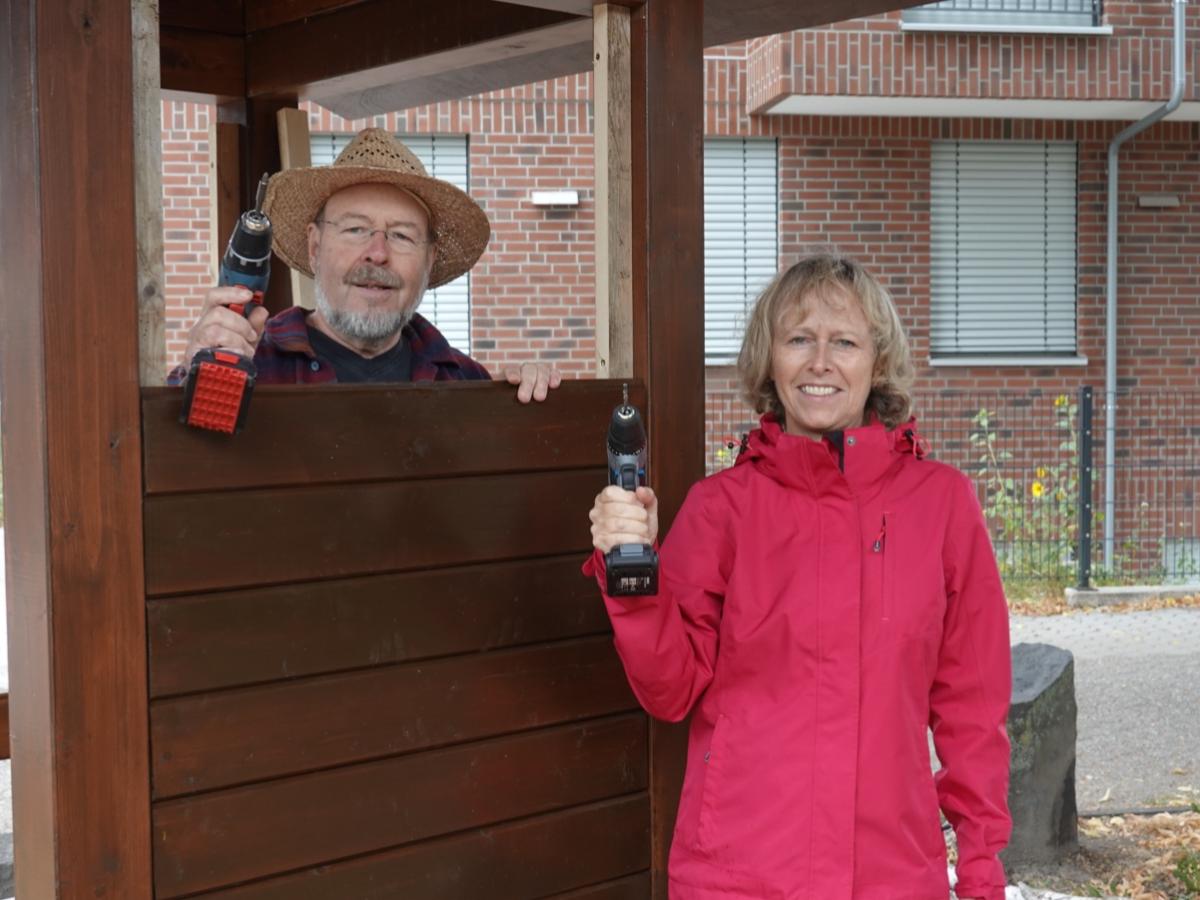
x=1084 y=531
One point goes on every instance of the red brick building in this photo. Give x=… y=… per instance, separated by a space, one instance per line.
x=901 y=140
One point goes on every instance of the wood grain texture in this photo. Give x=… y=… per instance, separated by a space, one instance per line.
x=295 y=153
x=4 y=744
x=375 y=33
x=229 y=837
x=535 y=857
x=261 y=14
x=71 y=433
x=204 y=63
x=632 y=887
x=614 y=201
x=379 y=432
x=222 y=16
x=204 y=542
x=147 y=149
x=23 y=400
x=668 y=91
x=227 y=189
x=209 y=641
x=212 y=741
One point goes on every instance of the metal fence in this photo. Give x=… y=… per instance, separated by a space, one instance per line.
x=1037 y=459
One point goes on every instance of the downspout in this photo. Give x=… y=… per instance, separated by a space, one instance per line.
x=1110 y=307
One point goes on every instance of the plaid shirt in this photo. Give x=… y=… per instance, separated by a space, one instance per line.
x=285 y=355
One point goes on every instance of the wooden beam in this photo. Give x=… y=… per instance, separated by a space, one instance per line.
x=221 y=16
x=69 y=383
x=227 y=183
x=668 y=305
x=354 y=40
x=5 y=752
x=614 y=210
x=295 y=152
x=204 y=63
x=262 y=154
x=263 y=14
x=147 y=151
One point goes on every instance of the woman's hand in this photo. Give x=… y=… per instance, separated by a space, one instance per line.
x=624 y=517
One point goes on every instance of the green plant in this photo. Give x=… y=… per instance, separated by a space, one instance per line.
x=1033 y=515
x=1187 y=870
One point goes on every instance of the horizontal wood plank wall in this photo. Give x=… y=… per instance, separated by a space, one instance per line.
x=375 y=668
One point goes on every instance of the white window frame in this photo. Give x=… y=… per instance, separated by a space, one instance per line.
x=741 y=237
x=1003 y=253
x=1007 y=17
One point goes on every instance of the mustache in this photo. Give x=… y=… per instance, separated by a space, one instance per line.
x=376 y=274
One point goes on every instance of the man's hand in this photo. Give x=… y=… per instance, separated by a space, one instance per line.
x=624 y=517
x=534 y=380
x=221 y=328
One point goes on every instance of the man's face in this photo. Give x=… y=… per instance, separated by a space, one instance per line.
x=371 y=254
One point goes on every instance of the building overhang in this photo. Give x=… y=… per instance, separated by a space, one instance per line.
x=973 y=108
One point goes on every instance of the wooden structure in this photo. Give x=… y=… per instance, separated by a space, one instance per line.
x=347 y=654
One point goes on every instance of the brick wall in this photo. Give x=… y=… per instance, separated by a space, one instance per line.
x=533 y=291
x=873 y=57
x=187 y=218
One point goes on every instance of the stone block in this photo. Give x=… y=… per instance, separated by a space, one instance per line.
x=1041 y=727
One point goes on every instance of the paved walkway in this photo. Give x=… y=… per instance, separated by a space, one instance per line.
x=1137 y=685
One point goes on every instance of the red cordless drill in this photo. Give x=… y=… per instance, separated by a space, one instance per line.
x=220 y=382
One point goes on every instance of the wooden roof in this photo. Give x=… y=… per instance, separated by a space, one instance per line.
x=365 y=57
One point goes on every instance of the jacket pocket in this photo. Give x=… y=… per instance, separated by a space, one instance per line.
x=715 y=759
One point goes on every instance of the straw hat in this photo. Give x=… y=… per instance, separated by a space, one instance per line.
x=294 y=196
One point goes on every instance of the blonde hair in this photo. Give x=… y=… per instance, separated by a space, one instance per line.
x=822 y=276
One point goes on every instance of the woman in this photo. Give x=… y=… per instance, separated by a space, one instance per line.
x=820 y=604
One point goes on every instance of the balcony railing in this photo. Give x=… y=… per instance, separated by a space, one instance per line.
x=998 y=15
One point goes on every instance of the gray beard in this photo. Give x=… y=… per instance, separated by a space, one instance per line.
x=369 y=328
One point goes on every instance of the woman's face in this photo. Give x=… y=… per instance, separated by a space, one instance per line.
x=822 y=361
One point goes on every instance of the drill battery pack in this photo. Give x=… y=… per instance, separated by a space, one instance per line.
x=631 y=570
x=218 y=390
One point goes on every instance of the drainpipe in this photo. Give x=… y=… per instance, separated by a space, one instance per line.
x=1110 y=308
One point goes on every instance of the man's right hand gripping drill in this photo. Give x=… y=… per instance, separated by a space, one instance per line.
x=220 y=328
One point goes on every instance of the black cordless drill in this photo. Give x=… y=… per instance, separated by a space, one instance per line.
x=632 y=568
x=220 y=382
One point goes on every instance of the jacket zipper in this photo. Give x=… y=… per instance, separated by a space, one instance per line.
x=885 y=575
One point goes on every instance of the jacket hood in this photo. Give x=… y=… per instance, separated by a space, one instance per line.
x=860 y=455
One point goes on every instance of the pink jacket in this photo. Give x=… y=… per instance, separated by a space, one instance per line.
x=818 y=609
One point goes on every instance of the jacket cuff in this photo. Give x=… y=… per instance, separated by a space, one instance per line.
x=983 y=878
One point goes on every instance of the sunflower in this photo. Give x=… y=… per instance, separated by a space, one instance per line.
x=1041 y=472
x=1037 y=489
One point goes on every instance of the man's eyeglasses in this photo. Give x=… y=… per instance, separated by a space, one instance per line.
x=354 y=233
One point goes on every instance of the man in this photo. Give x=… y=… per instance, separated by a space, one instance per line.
x=374 y=231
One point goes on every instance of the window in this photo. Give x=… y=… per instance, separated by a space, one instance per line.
x=1002 y=248
x=741 y=245
x=445 y=157
x=1006 y=15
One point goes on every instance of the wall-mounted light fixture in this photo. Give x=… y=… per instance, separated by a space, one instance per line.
x=1158 y=201
x=554 y=198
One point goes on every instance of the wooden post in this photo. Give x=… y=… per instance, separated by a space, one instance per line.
x=614 y=210
x=147 y=152
x=248 y=146
x=668 y=304
x=295 y=152
x=261 y=154
x=72 y=452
